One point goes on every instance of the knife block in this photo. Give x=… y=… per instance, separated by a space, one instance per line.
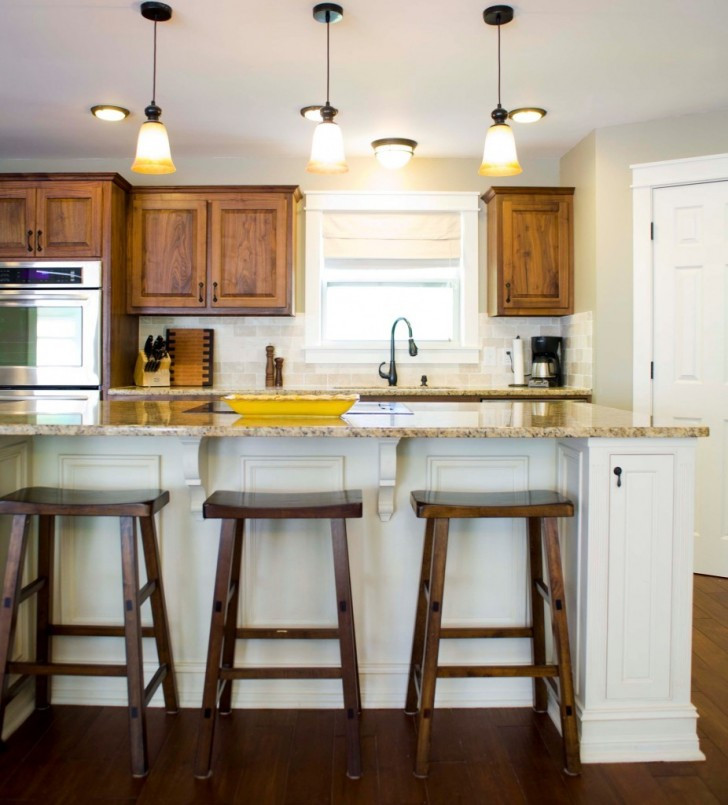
x=158 y=378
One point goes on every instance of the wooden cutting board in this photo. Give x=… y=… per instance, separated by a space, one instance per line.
x=191 y=354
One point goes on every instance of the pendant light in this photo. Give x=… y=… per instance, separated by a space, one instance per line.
x=327 y=149
x=499 y=153
x=153 y=154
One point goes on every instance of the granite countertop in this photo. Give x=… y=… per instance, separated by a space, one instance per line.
x=365 y=391
x=547 y=419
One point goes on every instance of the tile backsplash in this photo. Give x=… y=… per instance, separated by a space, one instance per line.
x=240 y=342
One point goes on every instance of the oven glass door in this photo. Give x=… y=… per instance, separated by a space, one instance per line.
x=50 y=338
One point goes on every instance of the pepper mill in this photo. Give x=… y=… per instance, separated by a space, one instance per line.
x=278 y=372
x=269 y=372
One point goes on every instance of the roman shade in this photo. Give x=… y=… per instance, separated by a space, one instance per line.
x=392 y=235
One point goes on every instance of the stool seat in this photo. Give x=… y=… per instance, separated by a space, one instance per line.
x=132 y=507
x=91 y=502
x=281 y=506
x=527 y=503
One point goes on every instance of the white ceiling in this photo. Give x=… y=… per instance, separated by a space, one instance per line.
x=232 y=74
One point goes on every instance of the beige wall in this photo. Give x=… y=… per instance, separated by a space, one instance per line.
x=364 y=173
x=604 y=228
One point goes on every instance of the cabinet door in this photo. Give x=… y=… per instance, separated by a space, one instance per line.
x=68 y=218
x=251 y=254
x=641 y=576
x=537 y=260
x=17 y=221
x=168 y=253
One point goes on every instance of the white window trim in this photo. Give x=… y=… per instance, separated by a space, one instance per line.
x=317 y=203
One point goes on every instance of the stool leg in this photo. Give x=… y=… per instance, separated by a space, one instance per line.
x=231 y=617
x=432 y=646
x=540 y=694
x=569 y=731
x=44 y=607
x=159 y=613
x=203 y=756
x=418 y=638
x=133 y=640
x=347 y=647
x=10 y=601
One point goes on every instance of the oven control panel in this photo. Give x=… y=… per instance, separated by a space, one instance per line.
x=81 y=274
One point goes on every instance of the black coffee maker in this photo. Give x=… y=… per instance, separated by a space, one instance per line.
x=546 y=361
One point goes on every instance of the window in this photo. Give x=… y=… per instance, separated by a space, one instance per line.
x=371 y=258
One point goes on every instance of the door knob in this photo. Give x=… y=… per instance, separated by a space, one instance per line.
x=618 y=473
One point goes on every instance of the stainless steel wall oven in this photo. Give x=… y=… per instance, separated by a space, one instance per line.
x=50 y=329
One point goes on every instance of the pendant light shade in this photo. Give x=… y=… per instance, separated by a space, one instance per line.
x=499 y=154
x=327 y=149
x=153 y=155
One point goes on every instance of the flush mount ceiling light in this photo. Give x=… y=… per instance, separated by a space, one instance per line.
x=153 y=154
x=327 y=149
x=394 y=152
x=499 y=153
x=111 y=113
x=527 y=114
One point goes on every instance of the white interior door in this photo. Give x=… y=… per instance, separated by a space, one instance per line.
x=690 y=345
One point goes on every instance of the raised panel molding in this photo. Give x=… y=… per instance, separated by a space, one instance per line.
x=288 y=575
x=487 y=564
x=640 y=563
x=87 y=548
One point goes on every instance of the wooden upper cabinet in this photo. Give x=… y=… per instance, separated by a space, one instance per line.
x=52 y=219
x=530 y=251
x=168 y=252
x=68 y=217
x=248 y=253
x=17 y=221
x=222 y=250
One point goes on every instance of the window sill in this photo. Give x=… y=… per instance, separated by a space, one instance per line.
x=377 y=354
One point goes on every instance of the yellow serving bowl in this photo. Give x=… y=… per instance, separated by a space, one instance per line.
x=288 y=405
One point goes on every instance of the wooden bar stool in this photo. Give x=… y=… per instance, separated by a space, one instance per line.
x=128 y=506
x=540 y=508
x=233 y=508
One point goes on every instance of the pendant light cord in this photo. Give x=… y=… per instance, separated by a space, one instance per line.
x=328 y=26
x=499 y=62
x=154 y=68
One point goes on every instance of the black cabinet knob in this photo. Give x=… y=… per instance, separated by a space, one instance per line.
x=618 y=473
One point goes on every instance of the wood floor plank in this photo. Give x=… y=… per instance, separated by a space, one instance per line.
x=686 y=790
x=309 y=769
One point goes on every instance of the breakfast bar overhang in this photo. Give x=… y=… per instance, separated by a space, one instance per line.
x=627 y=553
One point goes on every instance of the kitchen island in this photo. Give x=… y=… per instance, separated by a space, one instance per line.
x=627 y=552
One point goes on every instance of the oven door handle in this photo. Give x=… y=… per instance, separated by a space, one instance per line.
x=30 y=397
x=29 y=300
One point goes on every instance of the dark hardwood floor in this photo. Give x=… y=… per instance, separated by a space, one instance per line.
x=80 y=754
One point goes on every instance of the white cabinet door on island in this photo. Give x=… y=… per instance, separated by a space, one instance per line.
x=627 y=552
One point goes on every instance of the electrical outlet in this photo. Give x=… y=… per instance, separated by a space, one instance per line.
x=504 y=357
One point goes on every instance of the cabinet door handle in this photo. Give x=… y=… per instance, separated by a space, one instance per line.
x=38 y=246
x=508 y=293
x=214 y=292
x=199 y=298
x=30 y=235
x=618 y=473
